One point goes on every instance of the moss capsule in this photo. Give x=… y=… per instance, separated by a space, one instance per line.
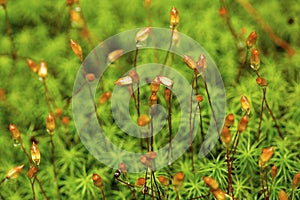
x=35 y=154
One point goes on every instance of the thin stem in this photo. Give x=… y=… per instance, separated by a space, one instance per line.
x=292 y=194
x=235 y=147
x=191 y=126
x=151 y=186
x=168 y=52
x=131 y=187
x=170 y=128
x=233 y=143
x=276 y=39
x=151 y=130
x=155 y=183
x=126 y=183
x=266 y=176
x=25 y=152
x=262 y=182
x=230 y=165
x=32 y=188
x=2 y=181
x=53 y=166
x=210 y=104
x=48 y=99
x=103 y=194
x=177 y=194
x=86 y=29
x=147 y=141
x=93 y=102
x=145 y=185
x=232 y=31
x=137 y=101
x=261 y=115
x=31 y=164
x=134 y=98
x=273 y=117
x=269 y=109
x=200 y=113
x=41 y=187
x=230 y=188
x=271 y=186
x=138 y=83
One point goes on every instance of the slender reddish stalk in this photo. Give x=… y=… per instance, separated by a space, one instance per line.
x=170 y=128
x=262 y=183
x=47 y=95
x=199 y=106
x=25 y=152
x=130 y=186
x=151 y=186
x=210 y=104
x=273 y=117
x=138 y=83
x=151 y=130
x=235 y=147
x=276 y=39
x=102 y=193
x=191 y=126
x=168 y=52
x=177 y=194
x=35 y=178
x=41 y=187
x=230 y=188
x=261 y=115
x=94 y=104
x=264 y=100
x=145 y=185
x=292 y=194
x=32 y=188
x=48 y=100
x=267 y=183
x=154 y=180
x=137 y=100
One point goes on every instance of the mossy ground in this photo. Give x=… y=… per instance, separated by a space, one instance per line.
x=42 y=30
